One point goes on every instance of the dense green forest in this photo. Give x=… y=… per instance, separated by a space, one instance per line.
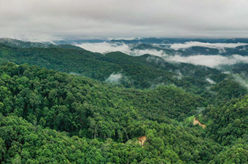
x=47 y=116
x=60 y=108
x=137 y=71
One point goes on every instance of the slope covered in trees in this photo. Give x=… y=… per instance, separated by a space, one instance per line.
x=48 y=116
x=22 y=142
x=229 y=121
x=137 y=71
x=76 y=104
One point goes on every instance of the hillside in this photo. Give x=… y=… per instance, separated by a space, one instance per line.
x=123 y=82
x=70 y=105
x=50 y=116
x=59 y=101
x=135 y=71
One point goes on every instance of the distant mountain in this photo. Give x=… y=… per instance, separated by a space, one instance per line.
x=141 y=72
x=90 y=107
x=23 y=44
x=181 y=40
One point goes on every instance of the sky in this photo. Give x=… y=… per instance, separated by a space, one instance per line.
x=44 y=20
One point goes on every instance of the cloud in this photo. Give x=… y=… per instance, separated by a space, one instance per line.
x=153 y=52
x=205 y=60
x=106 y=47
x=210 y=81
x=114 y=78
x=209 y=60
x=66 y=19
x=186 y=45
x=241 y=80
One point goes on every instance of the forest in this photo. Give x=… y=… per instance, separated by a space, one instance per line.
x=56 y=106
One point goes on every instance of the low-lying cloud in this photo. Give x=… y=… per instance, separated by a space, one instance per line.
x=186 y=45
x=212 y=61
x=114 y=78
x=241 y=80
x=210 y=81
x=153 y=52
x=106 y=47
x=209 y=60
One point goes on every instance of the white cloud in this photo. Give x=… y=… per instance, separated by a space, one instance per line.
x=186 y=45
x=205 y=60
x=209 y=60
x=242 y=81
x=153 y=52
x=210 y=81
x=114 y=78
x=106 y=47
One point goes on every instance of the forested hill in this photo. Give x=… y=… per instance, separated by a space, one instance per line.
x=52 y=117
x=70 y=105
x=130 y=71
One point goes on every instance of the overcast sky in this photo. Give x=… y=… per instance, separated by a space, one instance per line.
x=69 y=19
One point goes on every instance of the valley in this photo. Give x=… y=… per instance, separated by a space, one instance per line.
x=65 y=104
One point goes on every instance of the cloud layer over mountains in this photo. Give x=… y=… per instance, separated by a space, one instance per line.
x=209 y=60
x=190 y=44
x=106 y=47
x=63 y=19
x=205 y=60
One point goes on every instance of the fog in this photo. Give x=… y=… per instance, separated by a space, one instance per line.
x=203 y=44
x=106 y=47
x=114 y=78
x=212 y=61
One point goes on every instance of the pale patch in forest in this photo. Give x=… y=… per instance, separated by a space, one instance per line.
x=197 y=122
x=142 y=140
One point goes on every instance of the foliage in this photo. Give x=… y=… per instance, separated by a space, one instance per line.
x=230 y=122
x=138 y=71
x=52 y=117
x=94 y=122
